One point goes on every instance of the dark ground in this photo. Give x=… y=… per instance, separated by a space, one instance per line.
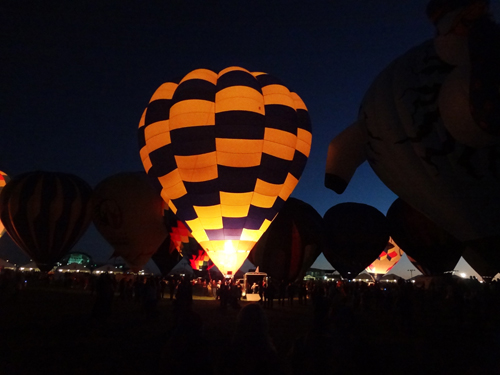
x=48 y=330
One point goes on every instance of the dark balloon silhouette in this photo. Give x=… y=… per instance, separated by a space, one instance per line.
x=429 y=124
x=291 y=244
x=128 y=213
x=45 y=214
x=484 y=256
x=166 y=257
x=429 y=247
x=356 y=234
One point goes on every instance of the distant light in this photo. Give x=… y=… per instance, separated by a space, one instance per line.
x=463 y=275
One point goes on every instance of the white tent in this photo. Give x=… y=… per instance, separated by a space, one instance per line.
x=6 y=264
x=31 y=266
x=108 y=268
x=73 y=267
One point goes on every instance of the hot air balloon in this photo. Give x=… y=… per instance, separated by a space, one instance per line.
x=483 y=256
x=226 y=149
x=291 y=244
x=128 y=213
x=389 y=257
x=429 y=125
x=166 y=256
x=3 y=181
x=186 y=244
x=356 y=234
x=45 y=214
x=430 y=248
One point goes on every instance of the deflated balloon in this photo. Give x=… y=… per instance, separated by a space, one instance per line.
x=292 y=243
x=355 y=235
x=429 y=247
x=128 y=213
x=45 y=214
x=429 y=125
x=226 y=149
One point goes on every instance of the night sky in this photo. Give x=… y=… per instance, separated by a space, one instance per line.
x=76 y=77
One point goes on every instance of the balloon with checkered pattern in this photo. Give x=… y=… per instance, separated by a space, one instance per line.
x=226 y=151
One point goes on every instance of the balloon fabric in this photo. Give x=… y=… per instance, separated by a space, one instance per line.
x=226 y=150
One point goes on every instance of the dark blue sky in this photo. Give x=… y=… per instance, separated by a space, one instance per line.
x=77 y=75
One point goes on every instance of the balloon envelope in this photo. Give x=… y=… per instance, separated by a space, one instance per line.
x=355 y=235
x=291 y=244
x=484 y=256
x=166 y=257
x=430 y=248
x=226 y=149
x=45 y=214
x=387 y=259
x=186 y=244
x=128 y=213
x=429 y=126
x=3 y=181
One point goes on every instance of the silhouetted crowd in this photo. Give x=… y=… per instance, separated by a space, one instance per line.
x=412 y=316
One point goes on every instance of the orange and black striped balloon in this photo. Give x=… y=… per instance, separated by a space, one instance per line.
x=45 y=214
x=227 y=149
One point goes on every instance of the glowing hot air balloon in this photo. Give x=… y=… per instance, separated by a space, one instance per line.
x=45 y=214
x=386 y=260
x=227 y=149
x=3 y=181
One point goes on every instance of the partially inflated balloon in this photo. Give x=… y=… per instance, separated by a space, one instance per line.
x=3 y=181
x=128 y=212
x=292 y=243
x=355 y=235
x=45 y=214
x=226 y=149
x=429 y=125
x=166 y=257
x=386 y=260
x=430 y=248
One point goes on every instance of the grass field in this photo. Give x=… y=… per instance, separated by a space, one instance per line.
x=49 y=331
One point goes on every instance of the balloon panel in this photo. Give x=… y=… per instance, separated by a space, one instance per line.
x=227 y=150
x=128 y=213
x=45 y=214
